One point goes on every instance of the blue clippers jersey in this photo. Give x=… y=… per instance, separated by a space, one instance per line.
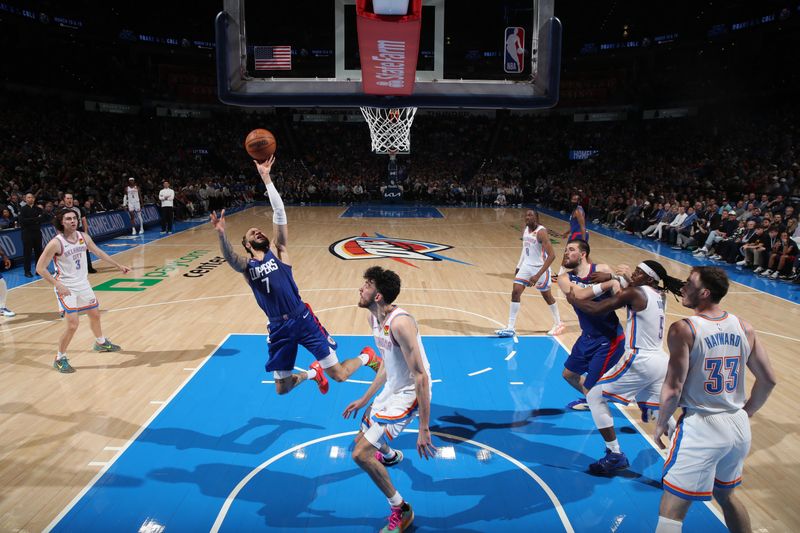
x=596 y=325
x=273 y=285
x=574 y=227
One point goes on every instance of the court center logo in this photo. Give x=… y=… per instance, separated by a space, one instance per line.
x=382 y=246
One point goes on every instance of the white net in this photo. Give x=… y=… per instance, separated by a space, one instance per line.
x=390 y=129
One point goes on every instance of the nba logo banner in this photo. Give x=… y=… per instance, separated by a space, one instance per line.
x=514 y=62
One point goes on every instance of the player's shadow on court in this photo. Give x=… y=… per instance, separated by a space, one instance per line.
x=24 y=318
x=468 y=423
x=290 y=501
x=449 y=325
x=158 y=357
x=185 y=439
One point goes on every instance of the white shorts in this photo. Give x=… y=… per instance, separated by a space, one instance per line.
x=134 y=207
x=637 y=376
x=78 y=300
x=707 y=451
x=387 y=418
x=526 y=272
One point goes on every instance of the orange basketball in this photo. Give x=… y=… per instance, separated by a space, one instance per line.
x=260 y=144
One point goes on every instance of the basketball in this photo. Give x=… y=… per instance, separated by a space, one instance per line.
x=260 y=144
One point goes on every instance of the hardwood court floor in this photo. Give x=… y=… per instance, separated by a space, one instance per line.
x=57 y=431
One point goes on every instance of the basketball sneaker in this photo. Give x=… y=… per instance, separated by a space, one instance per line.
x=608 y=464
x=648 y=413
x=320 y=378
x=63 y=366
x=400 y=519
x=107 y=346
x=5 y=311
x=398 y=456
x=133 y=231
x=558 y=329
x=505 y=332
x=578 y=405
x=374 y=361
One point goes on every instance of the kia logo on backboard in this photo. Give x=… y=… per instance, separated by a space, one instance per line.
x=381 y=246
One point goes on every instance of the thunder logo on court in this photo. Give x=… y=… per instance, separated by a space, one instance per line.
x=402 y=250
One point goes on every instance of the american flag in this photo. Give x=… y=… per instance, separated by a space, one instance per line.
x=273 y=57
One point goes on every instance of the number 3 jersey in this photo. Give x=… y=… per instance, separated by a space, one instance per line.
x=70 y=262
x=715 y=382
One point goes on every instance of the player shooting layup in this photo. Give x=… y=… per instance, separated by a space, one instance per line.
x=291 y=322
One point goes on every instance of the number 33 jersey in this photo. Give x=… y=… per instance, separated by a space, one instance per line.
x=715 y=382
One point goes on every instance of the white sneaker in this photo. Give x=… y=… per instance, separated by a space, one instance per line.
x=557 y=329
x=133 y=231
x=741 y=263
x=7 y=312
x=759 y=270
x=716 y=257
x=505 y=332
x=700 y=251
x=774 y=275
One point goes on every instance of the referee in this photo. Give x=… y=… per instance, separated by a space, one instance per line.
x=167 y=196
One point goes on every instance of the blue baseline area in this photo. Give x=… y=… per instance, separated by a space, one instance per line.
x=226 y=422
x=391 y=211
x=780 y=288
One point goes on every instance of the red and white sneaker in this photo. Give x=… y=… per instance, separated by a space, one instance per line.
x=374 y=361
x=320 y=378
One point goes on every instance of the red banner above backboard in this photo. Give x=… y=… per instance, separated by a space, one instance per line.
x=388 y=49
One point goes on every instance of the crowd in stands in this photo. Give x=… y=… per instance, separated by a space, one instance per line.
x=721 y=185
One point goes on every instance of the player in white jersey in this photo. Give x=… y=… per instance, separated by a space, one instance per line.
x=131 y=200
x=67 y=250
x=533 y=269
x=640 y=372
x=406 y=380
x=706 y=376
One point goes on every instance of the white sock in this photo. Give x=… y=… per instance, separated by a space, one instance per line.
x=512 y=314
x=671 y=426
x=390 y=455
x=668 y=525
x=100 y=340
x=363 y=358
x=396 y=500
x=613 y=445
x=3 y=292
x=311 y=374
x=61 y=355
x=554 y=312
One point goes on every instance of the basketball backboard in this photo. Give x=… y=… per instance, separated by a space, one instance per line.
x=306 y=53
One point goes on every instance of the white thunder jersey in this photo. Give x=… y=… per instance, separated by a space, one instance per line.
x=715 y=382
x=70 y=263
x=645 y=329
x=533 y=254
x=133 y=195
x=398 y=377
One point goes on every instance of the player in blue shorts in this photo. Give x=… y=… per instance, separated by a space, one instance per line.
x=601 y=343
x=577 y=221
x=292 y=323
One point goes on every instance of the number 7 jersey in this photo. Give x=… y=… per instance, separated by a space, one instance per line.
x=715 y=382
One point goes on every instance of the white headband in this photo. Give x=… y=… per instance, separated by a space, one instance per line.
x=649 y=271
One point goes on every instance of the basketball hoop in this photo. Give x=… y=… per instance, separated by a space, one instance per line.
x=390 y=129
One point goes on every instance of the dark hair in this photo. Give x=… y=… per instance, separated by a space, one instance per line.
x=668 y=283
x=715 y=280
x=58 y=219
x=386 y=281
x=249 y=249
x=583 y=246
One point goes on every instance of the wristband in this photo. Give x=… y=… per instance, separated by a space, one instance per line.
x=597 y=289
